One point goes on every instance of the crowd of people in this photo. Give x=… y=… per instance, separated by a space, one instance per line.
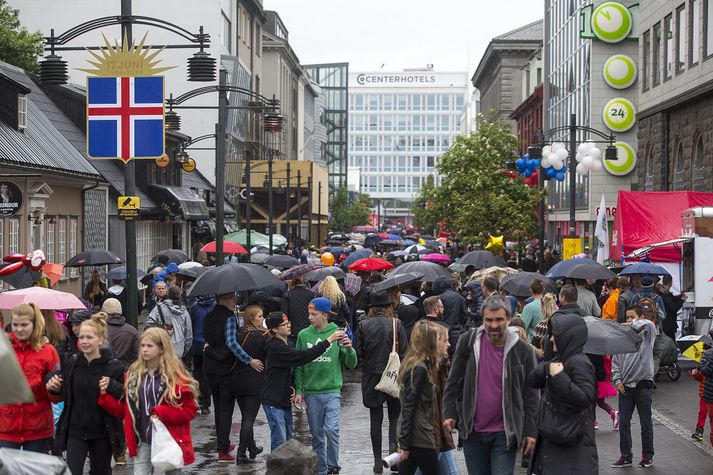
x=509 y=374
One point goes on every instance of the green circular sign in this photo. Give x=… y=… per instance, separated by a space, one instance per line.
x=620 y=71
x=619 y=115
x=612 y=22
x=625 y=162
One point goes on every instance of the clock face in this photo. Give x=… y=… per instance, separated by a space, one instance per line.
x=619 y=115
x=611 y=22
x=620 y=71
x=625 y=162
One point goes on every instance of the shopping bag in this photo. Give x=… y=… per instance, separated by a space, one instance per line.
x=389 y=378
x=166 y=454
x=12 y=379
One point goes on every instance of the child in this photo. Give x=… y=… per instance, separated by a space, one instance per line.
x=706 y=369
x=156 y=386
x=702 y=408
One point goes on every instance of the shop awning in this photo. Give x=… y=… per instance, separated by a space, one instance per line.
x=179 y=204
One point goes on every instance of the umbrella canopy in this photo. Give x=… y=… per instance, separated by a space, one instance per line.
x=229 y=247
x=556 y=271
x=497 y=272
x=333 y=242
x=256 y=239
x=22 y=278
x=398 y=281
x=394 y=237
x=458 y=267
x=483 y=259
x=167 y=256
x=429 y=270
x=371 y=264
x=364 y=229
x=46 y=299
x=53 y=272
x=189 y=264
x=418 y=249
x=372 y=240
x=231 y=278
x=94 y=257
x=588 y=271
x=339 y=237
x=436 y=257
x=518 y=285
x=23 y=461
x=119 y=273
x=389 y=243
x=299 y=271
x=323 y=272
x=352 y=284
x=401 y=254
x=607 y=337
x=336 y=250
x=281 y=262
x=355 y=256
x=644 y=268
x=259 y=258
x=383 y=235
x=192 y=273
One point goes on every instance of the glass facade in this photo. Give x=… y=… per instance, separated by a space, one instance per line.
x=333 y=80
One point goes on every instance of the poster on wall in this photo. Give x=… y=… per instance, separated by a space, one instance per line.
x=10 y=199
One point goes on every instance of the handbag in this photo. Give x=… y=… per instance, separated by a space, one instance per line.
x=559 y=424
x=166 y=454
x=389 y=378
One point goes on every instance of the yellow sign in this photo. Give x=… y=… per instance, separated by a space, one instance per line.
x=571 y=247
x=162 y=161
x=189 y=165
x=128 y=207
x=694 y=352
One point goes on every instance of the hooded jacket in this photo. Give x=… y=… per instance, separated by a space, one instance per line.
x=123 y=338
x=574 y=388
x=476 y=303
x=173 y=314
x=631 y=368
x=570 y=309
x=324 y=374
x=455 y=309
x=200 y=308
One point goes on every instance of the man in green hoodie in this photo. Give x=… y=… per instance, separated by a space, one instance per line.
x=319 y=383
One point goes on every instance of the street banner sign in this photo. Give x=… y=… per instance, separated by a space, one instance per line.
x=571 y=247
x=128 y=207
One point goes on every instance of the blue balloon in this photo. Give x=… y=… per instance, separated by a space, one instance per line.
x=550 y=172
x=520 y=163
x=560 y=176
x=536 y=163
x=564 y=169
x=527 y=174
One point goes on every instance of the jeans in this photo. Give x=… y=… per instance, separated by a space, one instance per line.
x=142 y=462
x=223 y=405
x=203 y=386
x=323 y=416
x=446 y=463
x=425 y=460
x=39 y=445
x=280 y=423
x=487 y=453
x=639 y=398
x=99 y=451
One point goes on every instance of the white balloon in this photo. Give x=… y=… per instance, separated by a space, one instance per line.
x=558 y=165
x=597 y=165
x=545 y=162
x=557 y=146
x=590 y=146
x=546 y=150
x=582 y=148
x=562 y=154
x=587 y=161
x=581 y=169
x=595 y=153
x=578 y=157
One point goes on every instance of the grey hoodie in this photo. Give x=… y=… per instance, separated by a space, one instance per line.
x=630 y=368
x=178 y=316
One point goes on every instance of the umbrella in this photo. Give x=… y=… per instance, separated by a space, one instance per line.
x=298 y=271
x=260 y=250
x=644 y=268
x=12 y=380
x=192 y=273
x=607 y=337
x=364 y=229
x=21 y=462
x=588 y=271
x=53 y=272
x=372 y=240
x=483 y=259
x=371 y=264
x=119 y=273
x=355 y=256
x=458 y=267
x=436 y=257
x=46 y=299
x=497 y=272
x=518 y=285
x=333 y=242
x=259 y=258
x=352 y=284
x=256 y=239
x=417 y=249
x=394 y=237
x=282 y=262
x=189 y=264
x=400 y=253
x=339 y=237
x=323 y=272
x=229 y=247
x=390 y=243
x=336 y=250
x=230 y=278
x=556 y=271
x=429 y=270
x=22 y=278
x=94 y=257
x=167 y=256
x=398 y=281
x=383 y=235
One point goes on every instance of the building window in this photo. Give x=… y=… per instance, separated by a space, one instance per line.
x=21 y=112
x=645 y=51
x=656 y=56
x=62 y=242
x=73 y=227
x=226 y=33
x=698 y=175
x=668 y=50
x=13 y=243
x=694 y=33
x=50 y=229
x=678 y=165
x=681 y=34
x=708 y=28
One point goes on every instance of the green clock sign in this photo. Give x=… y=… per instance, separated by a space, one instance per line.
x=610 y=22
x=619 y=115
x=625 y=162
x=620 y=71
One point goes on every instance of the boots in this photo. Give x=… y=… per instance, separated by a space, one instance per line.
x=242 y=456
x=378 y=466
x=254 y=451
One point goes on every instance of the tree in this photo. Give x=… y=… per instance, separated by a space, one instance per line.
x=477 y=196
x=18 y=46
x=426 y=208
x=346 y=213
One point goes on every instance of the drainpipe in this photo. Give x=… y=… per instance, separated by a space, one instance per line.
x=84 y=200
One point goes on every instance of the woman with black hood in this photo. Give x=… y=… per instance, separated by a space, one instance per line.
x=565 y=420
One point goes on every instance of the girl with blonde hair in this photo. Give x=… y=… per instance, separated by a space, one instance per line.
x=549 y=307
x=330 y=289
x=29 y=426
x=156 y=386
x=54 y=331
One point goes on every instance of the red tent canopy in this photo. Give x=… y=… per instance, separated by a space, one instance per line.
x=644 y=218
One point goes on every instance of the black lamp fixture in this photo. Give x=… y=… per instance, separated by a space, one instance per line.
x=280 y=189
x=53 y=70
x=273 y=119
x=611 y=152
x=172 y=121
x=201 y=67
x=182 y=157
x=266 y=183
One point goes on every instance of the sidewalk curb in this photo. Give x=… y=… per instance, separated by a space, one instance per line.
x=681 y=431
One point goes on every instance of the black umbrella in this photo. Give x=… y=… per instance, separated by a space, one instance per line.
x=483 y=260
x=430 y=270
x=518 y=285
x=607 y=337
x=231 y=278
x=390 y=243
x=299 y=271
x=398 y=281
x=588 y=270
x=22 y=278
x=372 y=240
x=333 y=242
x=557 y=271
x=338 y=237
x=192 y=273
x=281 y=261
x=119 y=273
x=94 y=257
x=167 y=256
x=323 y=272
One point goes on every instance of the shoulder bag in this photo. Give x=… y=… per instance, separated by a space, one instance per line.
x=558 y=423
x=389 y=378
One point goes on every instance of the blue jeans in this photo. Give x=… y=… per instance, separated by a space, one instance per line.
x=323 y=416
x=280 y=422
x=446 y=463
x=39 y=445
x=639 y=397
x=487 y=453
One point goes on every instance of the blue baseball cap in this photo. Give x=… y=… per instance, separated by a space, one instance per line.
x=321 y=304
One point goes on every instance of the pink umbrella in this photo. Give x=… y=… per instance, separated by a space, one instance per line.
x=46 y=299
x=437 y=258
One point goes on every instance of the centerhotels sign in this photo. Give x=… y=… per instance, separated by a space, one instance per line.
x=406 y=79
x=365 y=79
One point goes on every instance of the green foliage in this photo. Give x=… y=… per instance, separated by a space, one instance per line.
x=346 y=213
x=18 y=46
x=426 y=210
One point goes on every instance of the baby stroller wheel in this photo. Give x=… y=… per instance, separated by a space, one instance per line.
x=674 y=372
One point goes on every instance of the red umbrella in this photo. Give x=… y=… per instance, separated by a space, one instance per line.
x=437 y=258
x=371 y=264
x=229 y=247
x=383 y=235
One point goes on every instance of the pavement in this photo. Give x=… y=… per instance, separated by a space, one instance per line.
x=675 y=412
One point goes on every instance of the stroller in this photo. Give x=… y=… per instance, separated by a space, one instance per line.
x=666 y=358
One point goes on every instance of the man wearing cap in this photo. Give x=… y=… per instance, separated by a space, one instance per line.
x=647 y=292
x=123 y=338
x=319 y=383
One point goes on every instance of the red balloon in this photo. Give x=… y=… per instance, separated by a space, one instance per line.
x=11 y=268
x=13 y=257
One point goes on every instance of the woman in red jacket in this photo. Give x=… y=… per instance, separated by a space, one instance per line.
x=30 y=426
x=156 y=385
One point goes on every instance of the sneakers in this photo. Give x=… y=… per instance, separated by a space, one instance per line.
x=596 y=424
x=333 y=471
x=254 y=451
x=646 y=462
x=615 y=419
x=121 y=459
x=697 y=436
x=204 y=411
x=622 y=462
x=225 y=457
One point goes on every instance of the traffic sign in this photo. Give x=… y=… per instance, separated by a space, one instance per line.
x=128 y=207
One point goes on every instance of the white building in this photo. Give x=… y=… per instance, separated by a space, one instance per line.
x=400 y=123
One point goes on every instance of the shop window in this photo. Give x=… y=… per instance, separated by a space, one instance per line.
x=698 y=180
x=694 y=33
x=73 y=232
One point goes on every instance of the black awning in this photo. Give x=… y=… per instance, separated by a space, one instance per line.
x=179 y=204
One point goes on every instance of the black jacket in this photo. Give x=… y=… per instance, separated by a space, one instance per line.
x=124 y=339
x=294 y=305
x=246 y=381
x=569 y=309
x=280 y=360
x=375 y=342
x=409 y=315
x=416 y=426
x=218 y=360
x=574 y=388
x=455 y=309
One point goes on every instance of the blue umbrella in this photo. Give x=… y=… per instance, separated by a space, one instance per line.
x=355 y=256
x=644 y=268
x=336 y=250
x=394 y=237
x=119 y=273
x=558 y=270
x=372 y=240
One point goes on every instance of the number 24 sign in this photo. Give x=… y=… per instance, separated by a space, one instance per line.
x=619 y=115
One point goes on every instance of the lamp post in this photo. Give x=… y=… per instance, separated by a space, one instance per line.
x=299 y=207
x=319 y=213
x=309 y=209
x=269 y=200
x=287 y=205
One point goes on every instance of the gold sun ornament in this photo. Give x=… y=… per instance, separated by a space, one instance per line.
x=126 y=60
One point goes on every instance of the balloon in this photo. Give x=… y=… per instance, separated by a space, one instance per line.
x=536 y=163
x=582 y=148
x=560 y=176
x=581 y=169
x=587 y=161
x=564 y=169
x=520 y=163
x=527 y=174
x=546 y=150
x=597 y=166
x=495 y=244
x=557 y=146
x=550 y=172
x=327 y=259
x=595 y=153
x=562 y=154
x=545 y=162
x=578 y=157
x=558 y=165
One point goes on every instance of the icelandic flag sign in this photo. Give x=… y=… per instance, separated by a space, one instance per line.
x=125 y=117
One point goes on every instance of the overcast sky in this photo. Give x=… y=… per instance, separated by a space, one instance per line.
x=450 y=34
